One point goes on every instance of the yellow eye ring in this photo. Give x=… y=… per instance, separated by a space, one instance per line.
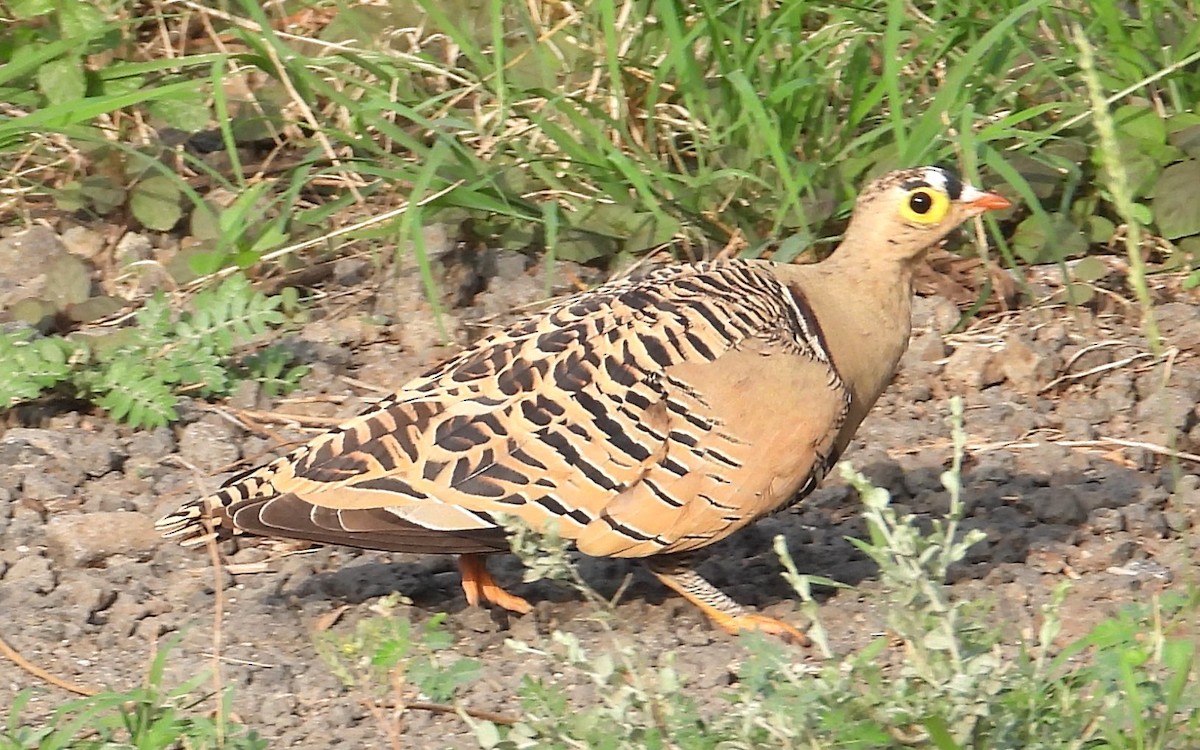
x=925 y=205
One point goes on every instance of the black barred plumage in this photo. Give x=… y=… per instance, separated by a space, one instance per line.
x=646 y=418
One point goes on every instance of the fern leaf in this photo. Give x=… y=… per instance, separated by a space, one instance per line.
x=274 y=368
x=29 y=366
x=195 y=366
x=130 y=392
x=137 y=373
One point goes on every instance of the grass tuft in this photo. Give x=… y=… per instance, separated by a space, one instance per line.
x=151 y=717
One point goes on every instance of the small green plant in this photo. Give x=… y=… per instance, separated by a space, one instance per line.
x=637 y=704
x=955 y=663
x=393 y=664
x=151 y=717
x=1142 y=674
x=138 y=373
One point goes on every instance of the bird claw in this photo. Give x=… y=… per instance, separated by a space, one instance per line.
x=749 y=621
x=478 y=585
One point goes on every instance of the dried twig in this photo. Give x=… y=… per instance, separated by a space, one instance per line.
x=1095 y=370
x=40 y=673
x=214 y=556
x=274 y=417
x=474 y=713
x=1026 y=443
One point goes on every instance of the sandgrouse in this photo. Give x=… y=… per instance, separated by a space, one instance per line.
x=647 y=418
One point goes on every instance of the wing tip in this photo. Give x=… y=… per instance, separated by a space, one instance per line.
x=198 y=521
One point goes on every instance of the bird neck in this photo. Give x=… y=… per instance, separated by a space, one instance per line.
x=864 y=303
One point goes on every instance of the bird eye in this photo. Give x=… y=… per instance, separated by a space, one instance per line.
x=925 y=205
x=920 y=203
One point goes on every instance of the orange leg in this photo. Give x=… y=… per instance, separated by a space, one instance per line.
x=479 y=585
x=723 y=611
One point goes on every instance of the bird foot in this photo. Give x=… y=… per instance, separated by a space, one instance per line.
x=723 y=611
x=748 y=621
x=478 y=585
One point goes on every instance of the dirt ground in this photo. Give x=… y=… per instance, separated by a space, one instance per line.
x=1070 y=423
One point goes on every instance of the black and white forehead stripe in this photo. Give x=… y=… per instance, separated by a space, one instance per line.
x=939 y=179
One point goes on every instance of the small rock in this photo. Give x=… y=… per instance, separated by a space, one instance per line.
x=1145 y=521
x=1006 y=518
x=884 y=472
x=1100 y=554
x=31 y=573
x=1143 y=570
x=1187 y=338
x=1024 y=367
x=150 y=629
x=974 y=366
x=512 y=287
x=1185 y=494
x=83 y=540
x=923 y=479
x=130 y=607
x=43 y=460
x=1045 y=559
x=42 y=486
x=401 y=297
x=511 y=265
x=1153 y=496
x=995 y=467
x=1056 y=505
x=1053 y=533
x=117 y=492
x=1168 y=407
x=1172 y=316
x=1079 y=428
x=1089 y=360
x=1082 y=404
x=1106 y=520
x=83 y=242
x=278 y=704
x=246 y=395
x=88 y=591
x=209 y=444
x=49 y=442
x=1010 y=548
x=351 y=271
x=146 y=449
x=1121 y=551
x=95 y=454
x=937 y=313
x=928 y=347
x=1147 y=383
x=1178 y=521
x=1116 y=392
x=250 y=555
x=918 y=393
x=133 y=247
x=1054 y=336
x=475 y=620
x=980 y=552
x=26 y=257
x=27 y=527
x=702 y=636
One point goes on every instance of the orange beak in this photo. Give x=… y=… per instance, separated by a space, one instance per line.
x=987 y=202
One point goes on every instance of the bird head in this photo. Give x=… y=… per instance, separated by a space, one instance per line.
x=904 y=213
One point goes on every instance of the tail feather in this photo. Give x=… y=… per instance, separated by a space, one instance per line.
x=199 y=520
